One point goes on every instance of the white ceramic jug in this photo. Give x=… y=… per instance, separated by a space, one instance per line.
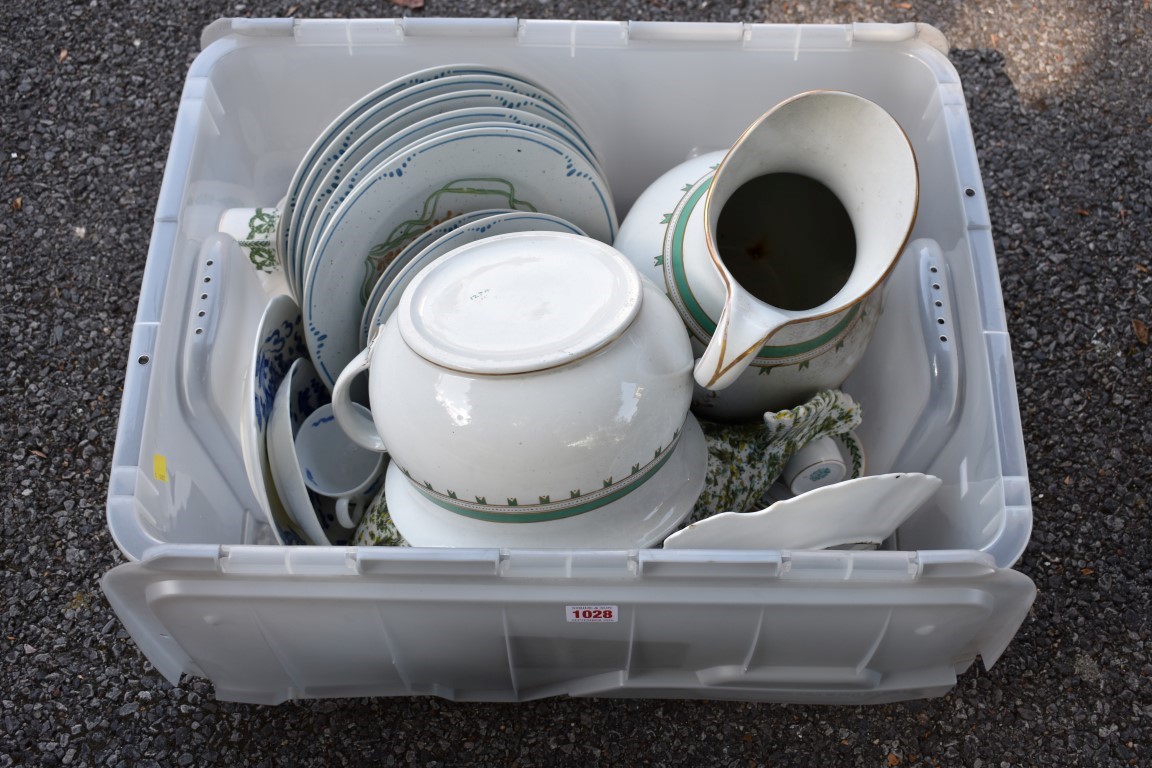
x=776 y=251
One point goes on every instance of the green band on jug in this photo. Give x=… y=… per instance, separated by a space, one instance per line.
x=705 y=325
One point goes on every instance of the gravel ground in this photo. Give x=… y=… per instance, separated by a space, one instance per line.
x=1059 y=97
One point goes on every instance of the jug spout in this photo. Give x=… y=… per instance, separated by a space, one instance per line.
x=745 y=325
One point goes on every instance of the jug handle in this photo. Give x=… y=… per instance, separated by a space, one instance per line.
x=357 y=424
x=745 y=325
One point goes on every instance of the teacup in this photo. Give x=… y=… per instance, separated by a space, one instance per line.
x=523 y=378
x=254 y=230
x=817 y=464
x=336 y=467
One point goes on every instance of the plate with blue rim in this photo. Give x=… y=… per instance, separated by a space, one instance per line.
x=343 y=131
x=384 y=111
x=339 y=133
x=318 y=184
x=321 y=200
x=461 y=170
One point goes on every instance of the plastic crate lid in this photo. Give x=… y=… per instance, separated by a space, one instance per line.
x=271 y=624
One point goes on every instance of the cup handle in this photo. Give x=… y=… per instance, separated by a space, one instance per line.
x=356 y=423
x=349 y=511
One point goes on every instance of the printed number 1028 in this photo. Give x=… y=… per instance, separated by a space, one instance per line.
x=592 y=612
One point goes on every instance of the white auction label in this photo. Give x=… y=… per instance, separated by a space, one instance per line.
x=588 y=613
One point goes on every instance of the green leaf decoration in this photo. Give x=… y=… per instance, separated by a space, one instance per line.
x=262 y=223
x=261 y=227
x=667 y=219
x=481 y=500
x=545 y=499
x=261 y=254
x=574 y=494
x=608 y=482
x=854 y=451
x=513 y=503
x=658 y=261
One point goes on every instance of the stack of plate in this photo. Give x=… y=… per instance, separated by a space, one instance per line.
x=414 y=169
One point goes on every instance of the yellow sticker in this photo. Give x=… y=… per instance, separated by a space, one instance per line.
x=160 y=467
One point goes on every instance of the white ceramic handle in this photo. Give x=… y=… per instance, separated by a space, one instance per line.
x=355 y=422
x=344 y=514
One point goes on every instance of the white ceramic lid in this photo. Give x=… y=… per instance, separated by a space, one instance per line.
x=519 y=302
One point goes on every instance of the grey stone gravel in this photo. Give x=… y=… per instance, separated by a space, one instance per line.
x=1059 y=98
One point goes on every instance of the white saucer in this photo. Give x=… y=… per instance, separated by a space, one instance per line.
x=638 y=520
